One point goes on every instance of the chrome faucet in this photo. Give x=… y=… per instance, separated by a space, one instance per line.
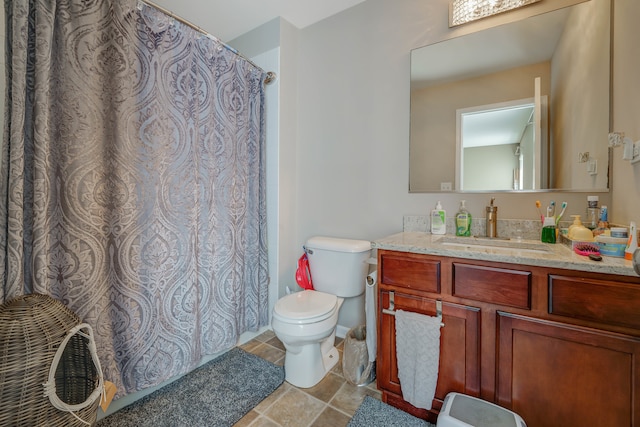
x=492 y=219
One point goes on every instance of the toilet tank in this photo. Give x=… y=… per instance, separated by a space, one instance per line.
x=338 y=266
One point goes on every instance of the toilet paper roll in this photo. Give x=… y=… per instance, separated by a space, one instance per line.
x=371 y=293
x=372 y=278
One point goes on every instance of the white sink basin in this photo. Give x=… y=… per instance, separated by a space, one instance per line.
x=499 y=244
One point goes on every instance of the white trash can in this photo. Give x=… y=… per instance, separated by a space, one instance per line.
x=460 y=410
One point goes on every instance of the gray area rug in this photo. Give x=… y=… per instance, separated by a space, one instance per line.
x=374 y=413
x=218 y=393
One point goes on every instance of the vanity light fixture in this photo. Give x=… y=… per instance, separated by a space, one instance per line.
x=463 y=11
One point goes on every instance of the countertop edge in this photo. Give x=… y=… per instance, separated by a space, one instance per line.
x=559 y=256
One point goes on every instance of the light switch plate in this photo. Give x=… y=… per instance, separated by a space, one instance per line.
x=636 y=152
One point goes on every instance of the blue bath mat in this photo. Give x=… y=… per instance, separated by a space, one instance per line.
x=374 y=413
x=218 y=393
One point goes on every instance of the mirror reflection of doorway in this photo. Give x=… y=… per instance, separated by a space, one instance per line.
x=496 y=146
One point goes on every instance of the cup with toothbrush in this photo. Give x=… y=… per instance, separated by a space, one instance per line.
x=550 y=220
x=538 y=206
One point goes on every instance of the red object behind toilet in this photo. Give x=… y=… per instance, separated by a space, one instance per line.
x=303 y=274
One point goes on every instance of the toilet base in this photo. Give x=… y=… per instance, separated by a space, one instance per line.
x=330 y=359
x=305 y=366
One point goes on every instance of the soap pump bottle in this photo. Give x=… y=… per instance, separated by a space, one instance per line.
x=463 y=221
x=577 y=223
x=438 y=220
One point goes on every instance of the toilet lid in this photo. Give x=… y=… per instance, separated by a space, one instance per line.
x=306 y=305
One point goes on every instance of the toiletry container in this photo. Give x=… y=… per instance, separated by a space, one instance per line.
x=593 y=212
x=620 y=232
x=577 y=222
x=612 y=246
x=438 y=220
x=632 y=244
x=463 y=221
x=603 y=224
x=578 y=233
x=549 y=230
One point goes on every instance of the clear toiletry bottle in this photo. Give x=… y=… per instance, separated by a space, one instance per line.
x=593 y=212
x=603 y=224
x=463 y=221
x=549 y=230
x=438 y=220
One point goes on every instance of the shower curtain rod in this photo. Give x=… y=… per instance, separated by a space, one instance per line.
x=271 y=76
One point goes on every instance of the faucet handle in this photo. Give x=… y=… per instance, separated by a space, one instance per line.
x=491 y=207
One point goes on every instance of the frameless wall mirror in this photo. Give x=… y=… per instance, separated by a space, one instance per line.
x=518 y=107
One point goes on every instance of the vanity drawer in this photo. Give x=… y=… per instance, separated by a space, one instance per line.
x=409 y=271
x=608 y=302
x=492 y=285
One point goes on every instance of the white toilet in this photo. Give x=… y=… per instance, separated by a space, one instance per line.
x=306 y=321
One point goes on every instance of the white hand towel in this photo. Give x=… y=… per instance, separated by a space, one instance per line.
x=418 y=355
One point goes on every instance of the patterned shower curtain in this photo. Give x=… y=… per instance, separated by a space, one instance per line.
x=133 y=182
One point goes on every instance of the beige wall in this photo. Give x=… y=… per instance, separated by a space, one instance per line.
x=626 y=108
x=580 y=74
x=433 y=116
x=353 y=127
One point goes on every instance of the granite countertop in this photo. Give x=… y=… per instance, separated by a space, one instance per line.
x=533 y=253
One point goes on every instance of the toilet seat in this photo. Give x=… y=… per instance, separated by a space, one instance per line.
x=305 y=307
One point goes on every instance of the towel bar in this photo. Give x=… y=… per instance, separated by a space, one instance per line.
x=392 y=305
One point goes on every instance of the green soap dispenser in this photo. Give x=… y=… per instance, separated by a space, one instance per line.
x=463 y=221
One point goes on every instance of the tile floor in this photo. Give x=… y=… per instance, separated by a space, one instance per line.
x=331 y=403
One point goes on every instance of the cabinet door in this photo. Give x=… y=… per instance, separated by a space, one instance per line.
x=558 y=375
x=459 y=368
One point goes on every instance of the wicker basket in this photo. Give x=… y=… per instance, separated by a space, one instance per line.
x=49 y=372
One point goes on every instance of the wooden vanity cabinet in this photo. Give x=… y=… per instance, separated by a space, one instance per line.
x=559 y=347
x=556 y=374
x=459 y=349
x=413 y=283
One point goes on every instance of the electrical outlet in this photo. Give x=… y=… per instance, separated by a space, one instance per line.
x=583 y=157
x=445 y=186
